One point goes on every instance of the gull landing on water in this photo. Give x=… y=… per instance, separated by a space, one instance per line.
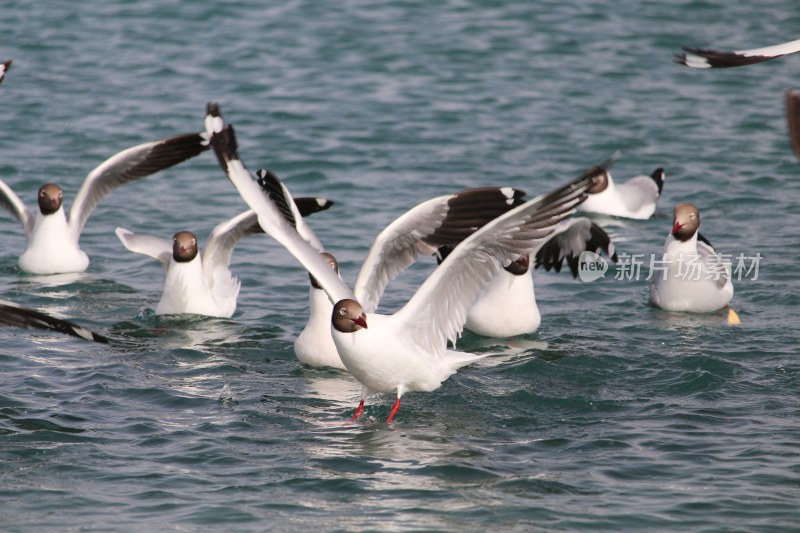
x=14 y=315
x=447 y=219
x=406 y=351
x=635 y=198
x=197 y=283
x=701 y=58
x=693 y=277
x=52 y=238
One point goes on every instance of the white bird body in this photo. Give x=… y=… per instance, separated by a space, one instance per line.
x=49 y=233
x=506 y=308
x=186 y=290
x=314 y=345
x=635 y=198
x=384 y=358
x=691 y=276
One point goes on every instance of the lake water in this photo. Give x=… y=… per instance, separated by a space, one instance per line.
x=613 y=416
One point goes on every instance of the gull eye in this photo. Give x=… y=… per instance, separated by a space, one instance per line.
x=342 y=311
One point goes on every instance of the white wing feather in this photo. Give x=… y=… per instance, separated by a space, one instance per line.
x=270 y=218
x=129 y=165
x=12 y=203
x=396 y=248
x=149 y=245
x=438 y=310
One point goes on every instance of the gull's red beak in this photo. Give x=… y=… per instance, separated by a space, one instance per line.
x=676 y=227
x=361 y=321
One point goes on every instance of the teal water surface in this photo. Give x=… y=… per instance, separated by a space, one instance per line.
x=613 y=416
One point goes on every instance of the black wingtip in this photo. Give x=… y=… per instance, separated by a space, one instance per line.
x=17 y=316
x=271 y=184
x=309 y=205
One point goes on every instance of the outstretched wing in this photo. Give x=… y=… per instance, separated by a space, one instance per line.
x=438 y=310
x=129 y=165
x=11 y=203
x=270 y=217
x=277 y=191
x=700 y=58
x=149 y=245
x=14 y=315
x=573 y=237
x=223 y=238
x=446 y=220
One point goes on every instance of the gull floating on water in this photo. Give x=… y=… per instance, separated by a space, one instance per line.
x=406 y=351
x=14 y=315
x=635 y=198
x=52 y=238
x=197 y=283
x=703 y=58
x=691 y=276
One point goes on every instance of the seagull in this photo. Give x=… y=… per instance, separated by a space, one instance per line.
x=202 y=284
x=406 y=351
x=507 y=306
x=700 y=58
x=4 y=66
x=636 y=198
x=52 y=238
x=15 y=315
x=691 y=276
x=421 y=230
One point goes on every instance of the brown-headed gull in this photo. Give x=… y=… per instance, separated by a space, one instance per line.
x=702 y=58
x=406 y=351
x=507 y=305
x=202 y=284
x=635 y=198
x=14 y=315
x=691 y=275
x=52 y=238
x=422 y=230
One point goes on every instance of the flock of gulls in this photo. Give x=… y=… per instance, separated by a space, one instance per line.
x=487 y=242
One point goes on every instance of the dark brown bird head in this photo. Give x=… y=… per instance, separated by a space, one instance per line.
x=348 y=316
x=49 y=199
x=184 y=246
x=685 y=222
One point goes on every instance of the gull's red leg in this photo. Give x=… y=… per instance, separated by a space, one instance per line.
x=395 y=407
x=359 y=410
